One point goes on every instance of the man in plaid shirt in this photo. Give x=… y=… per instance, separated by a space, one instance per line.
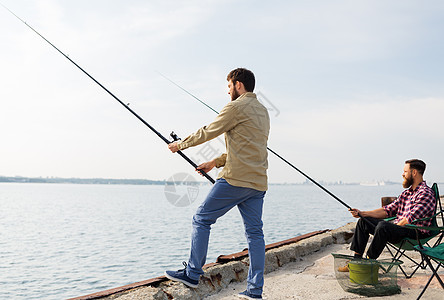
x=416 y=202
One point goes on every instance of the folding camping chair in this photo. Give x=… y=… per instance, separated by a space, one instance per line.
x=429 y=254
x=398 y=250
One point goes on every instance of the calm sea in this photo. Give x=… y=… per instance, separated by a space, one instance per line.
x=64 y=240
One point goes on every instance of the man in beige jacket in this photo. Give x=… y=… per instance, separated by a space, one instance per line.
x=242 y=182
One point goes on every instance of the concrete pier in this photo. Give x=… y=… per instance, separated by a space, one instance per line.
x=298 y=268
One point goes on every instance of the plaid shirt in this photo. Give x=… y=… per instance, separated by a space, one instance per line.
x=414 y=204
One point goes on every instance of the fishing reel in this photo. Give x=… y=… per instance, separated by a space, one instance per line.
x=174 y=136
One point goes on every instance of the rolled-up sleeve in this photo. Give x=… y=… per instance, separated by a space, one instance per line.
x=221 y=160
x=392 y=208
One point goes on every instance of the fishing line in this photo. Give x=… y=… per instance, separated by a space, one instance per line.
x=115 y=97
x=279 y=156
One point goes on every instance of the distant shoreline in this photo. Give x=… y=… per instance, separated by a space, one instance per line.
x=58 y=180
x=19 y=179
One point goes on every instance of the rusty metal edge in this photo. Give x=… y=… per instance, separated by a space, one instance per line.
x=243 y=254
x=105 y=293
x=222 y=259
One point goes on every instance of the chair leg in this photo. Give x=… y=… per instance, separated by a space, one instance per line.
x=435 y=274
x=422 y=265
x=399 y=254
x=424 y=289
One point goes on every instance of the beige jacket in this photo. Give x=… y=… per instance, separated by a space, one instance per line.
x=246 y=125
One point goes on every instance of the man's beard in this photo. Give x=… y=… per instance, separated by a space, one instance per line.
x=234 y=95
x=407 y=182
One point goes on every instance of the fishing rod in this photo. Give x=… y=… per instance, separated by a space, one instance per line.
x=115 y=97
x=279 y=156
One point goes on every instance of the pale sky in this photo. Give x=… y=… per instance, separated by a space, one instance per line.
x=354 y=87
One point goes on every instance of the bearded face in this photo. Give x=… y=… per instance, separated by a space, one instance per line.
x=408 y=180
x=234 y=93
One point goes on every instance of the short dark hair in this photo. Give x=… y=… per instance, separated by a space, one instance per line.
x=417 y=164
x=243 y=75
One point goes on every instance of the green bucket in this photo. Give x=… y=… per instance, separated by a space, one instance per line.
x=367 y=277
x=363 y=272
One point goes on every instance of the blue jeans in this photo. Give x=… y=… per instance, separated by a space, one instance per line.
x=219 y=201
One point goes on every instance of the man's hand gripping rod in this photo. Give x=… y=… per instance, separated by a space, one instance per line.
x=175 y=139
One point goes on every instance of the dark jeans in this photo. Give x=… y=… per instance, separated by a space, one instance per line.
x=383 y=232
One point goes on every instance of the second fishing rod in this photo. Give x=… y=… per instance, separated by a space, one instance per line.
x=272 y=151
x=279 y=156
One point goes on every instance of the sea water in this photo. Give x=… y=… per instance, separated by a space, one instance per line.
x=65 y=240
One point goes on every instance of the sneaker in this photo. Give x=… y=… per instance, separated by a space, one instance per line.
x=181 y=276
x=343 y=269
x=247 y=295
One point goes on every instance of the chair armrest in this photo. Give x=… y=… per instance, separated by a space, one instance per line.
x=433 y=228
x=389 y=219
